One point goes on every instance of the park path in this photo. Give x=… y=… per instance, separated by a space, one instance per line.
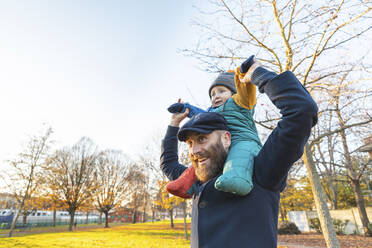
x=288 y=245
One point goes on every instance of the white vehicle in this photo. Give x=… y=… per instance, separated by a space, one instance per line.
x=45 y=218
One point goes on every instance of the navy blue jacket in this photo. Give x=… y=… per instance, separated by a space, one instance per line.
x=225 y=220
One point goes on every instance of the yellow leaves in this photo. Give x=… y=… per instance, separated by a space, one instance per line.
x=166 y=200
x=297 y=195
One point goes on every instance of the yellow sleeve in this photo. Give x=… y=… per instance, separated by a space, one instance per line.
x=246 y=92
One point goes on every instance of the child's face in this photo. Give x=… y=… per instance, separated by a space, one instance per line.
x=219 y=95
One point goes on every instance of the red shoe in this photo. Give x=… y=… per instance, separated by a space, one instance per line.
x=182 y=184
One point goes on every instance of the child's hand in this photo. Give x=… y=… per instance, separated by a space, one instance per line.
x=247 y=68
x=181 y=107
x=177 y=108
x=247 y=64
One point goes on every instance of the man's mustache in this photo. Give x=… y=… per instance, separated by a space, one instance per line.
x=200 y=155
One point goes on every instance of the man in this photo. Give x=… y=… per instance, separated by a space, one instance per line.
x=222 y=219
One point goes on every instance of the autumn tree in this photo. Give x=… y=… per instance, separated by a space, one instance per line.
x=112 y=181
x=52 y=202
x=297 y=196
x=26 y=172
x=71 y=175
x=167 y=201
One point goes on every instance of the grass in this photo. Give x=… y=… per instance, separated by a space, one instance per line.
x=144 y=235
x=51 y=229
x=152 y=235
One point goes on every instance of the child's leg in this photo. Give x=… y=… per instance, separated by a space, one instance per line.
x=182 y=186
x=238 y=168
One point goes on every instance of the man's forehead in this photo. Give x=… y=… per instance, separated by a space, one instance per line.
x=193 y=135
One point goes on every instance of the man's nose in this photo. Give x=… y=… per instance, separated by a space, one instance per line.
x=195 y=149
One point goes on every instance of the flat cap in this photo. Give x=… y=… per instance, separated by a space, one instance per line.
x=205 y=123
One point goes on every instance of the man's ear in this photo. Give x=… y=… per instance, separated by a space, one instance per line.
x=226 y=139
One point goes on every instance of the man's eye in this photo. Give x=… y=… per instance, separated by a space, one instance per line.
x=202 y=138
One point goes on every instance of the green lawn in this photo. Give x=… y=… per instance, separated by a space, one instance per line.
x=145 y=235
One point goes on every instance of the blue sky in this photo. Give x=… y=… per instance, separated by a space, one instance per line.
x=102 y=69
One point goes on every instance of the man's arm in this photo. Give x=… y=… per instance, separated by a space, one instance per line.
x=169 y=148
x=286 y=143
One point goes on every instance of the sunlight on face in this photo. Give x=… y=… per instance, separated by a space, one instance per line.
x=207 y=154
x=219 y=95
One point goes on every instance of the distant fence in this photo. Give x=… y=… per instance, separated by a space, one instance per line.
x=301 y=219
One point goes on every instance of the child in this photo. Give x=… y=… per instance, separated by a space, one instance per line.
x=235 y=101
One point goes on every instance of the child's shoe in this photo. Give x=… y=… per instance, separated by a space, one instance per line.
x=182 y=186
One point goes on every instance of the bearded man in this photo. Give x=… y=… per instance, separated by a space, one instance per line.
x=221 y=219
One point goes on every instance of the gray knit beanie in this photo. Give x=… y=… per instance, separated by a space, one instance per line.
x=225 y=79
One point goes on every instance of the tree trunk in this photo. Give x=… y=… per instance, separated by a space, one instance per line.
x=153 y=215
x=72 y=218
x=171 y=217
x=355 y=181
x=54 y=217
x=14 y=223
x=184 y=219
x=134 y=215
x=282 y=213
x=87 y=218
x=100 y=218
x=320 y=203
x=24 y=219
x=106 y=219
x=335 y=195
x=361 y=208
x=144 y=215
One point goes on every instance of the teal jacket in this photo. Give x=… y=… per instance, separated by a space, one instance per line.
x=240 y=121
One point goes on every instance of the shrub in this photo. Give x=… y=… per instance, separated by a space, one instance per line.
x=288 y=228
x=315 y=224
x=339 y=225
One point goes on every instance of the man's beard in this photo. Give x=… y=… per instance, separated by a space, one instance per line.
x=217 y=155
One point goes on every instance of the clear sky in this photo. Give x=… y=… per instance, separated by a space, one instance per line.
x=103 y=69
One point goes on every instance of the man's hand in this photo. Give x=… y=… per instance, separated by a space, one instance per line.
x=177 y=118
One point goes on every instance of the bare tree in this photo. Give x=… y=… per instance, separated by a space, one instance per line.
x=111 y=179
x=26 y=169
x=71 y=175
x=308 y=38
x=353 y=172
x=138 y=194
